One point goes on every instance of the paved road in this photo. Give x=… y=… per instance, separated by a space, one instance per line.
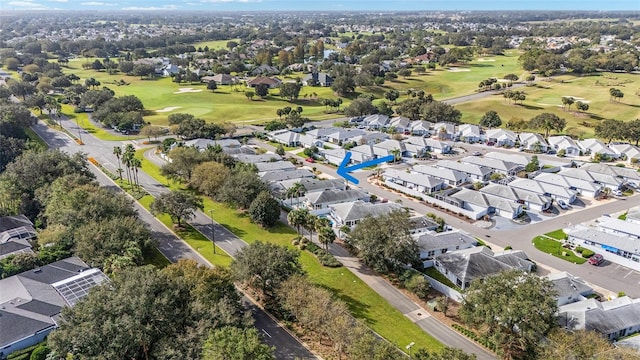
x=286 y=345
x=610 y=278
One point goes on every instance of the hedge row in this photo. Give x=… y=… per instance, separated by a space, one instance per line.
x=322 y=255
x=586 y=253
x=472 y=335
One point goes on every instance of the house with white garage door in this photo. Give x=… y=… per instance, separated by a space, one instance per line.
x=531 y=200
x=553 y=191
x=583 y=187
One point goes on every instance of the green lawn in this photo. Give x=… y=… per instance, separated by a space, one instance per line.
x=557 y=234
x=35 y=138
x=553 y=247
x=363 y=302
x=623 y=216
x=547 y=97
x=82 y=119
x=153 y=256
x=215 y=44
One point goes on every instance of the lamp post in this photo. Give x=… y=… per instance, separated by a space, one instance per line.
x=213 y=232
x=408 y=347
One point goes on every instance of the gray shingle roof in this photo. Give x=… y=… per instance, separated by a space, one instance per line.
x=359 y=210
x=336 y=196
x=279 y=175
x=252 y=159
x=566 y=284
x=29 y=302
x=468 y=168
x=600 y=237
x=433 y=241
x=440 y=173
x=275 y=166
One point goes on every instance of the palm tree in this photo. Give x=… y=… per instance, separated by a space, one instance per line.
x=396 y=154
x=298 y=217
x=325 y=232
x=117 y=151
x=310 y=224
x=135 y=165
x=296 y=190
x=128 y=156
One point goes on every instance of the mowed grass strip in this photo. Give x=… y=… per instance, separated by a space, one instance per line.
x=363 y=302
x=554 y=247
x=82 y=119
x=557 y=234
x=35 y=138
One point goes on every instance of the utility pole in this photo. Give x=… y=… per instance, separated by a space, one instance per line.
x=213 y=232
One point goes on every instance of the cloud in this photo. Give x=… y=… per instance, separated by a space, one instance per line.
x=60 y=1
x=27 y=5
x=142 y=8
x=96 y=3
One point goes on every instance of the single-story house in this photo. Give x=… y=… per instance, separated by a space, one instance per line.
x=317 y=79
x=616 y=318
x=265 y=69
x=431 y=145
x=14 y=247
x=474 y=172
x=626 y=174
x=501 y=137
x=630 y=152
x=169 y=70
x=616 y=248
x=595 y=146
x=504 y=167
x=633 y=215
x=270 y=82
x=286 y=138
x=413 y=181
x=318 y=202
x=322 y=133
x=371 y=138
x=335 y=156
x=252 y=159
x=278 y=175
x=221 y=79
x=556 y=192
x=432 y=244
x=619 y=227
x=606 y=180
x=400 y=124
x=563 y=142
x=569 y=289
x=420 y=127
x=583 y=187
x=274 y=166
x=464 y=266
x=451 y=177
x=376 y=121
x=469 y=133
x=420 y=224
x=533 y=142
x=31 y=302
x=352 y=213
x=388 y=147
x=310 y=185
x=16 y=227
x=341 y=136
x=531 y=200
x=487 y=204
x=203 y=144
x=444 y=131
x=514 y=158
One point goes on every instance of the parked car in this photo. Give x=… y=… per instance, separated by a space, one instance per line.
x=311 y=160
x=476 y=153
x=632 y=185
x=617 y=192
x=563 y=204
x=491 y=143
x=596 y=260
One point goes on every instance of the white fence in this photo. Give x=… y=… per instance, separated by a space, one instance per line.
x=444 y=289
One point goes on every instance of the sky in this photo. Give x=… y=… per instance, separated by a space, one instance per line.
x=315 y=5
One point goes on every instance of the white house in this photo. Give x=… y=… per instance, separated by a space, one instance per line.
x=420 y=127
x=514 y=158
x=350 y=214
x=431 y=145
x=501 y=137
x=533 y=142
x=606 y=180
x=563 y=142
x=400 y=124
x=451 y=177
x=376 y=121
x=583 y=187
x=469 y=133
x=504 y=167
x=318 y=202
x=432 y=244
x=487 y=204
x=389 y=147
x=556 y=192
x=629 y=152
x=616 y=248
x=595 y=146
x=623 y=173
x=569 y=289
x=619 y=227
x=413 y=181
x=474 y=172
x=531 y=200
x=444 y=131
x=616 y=318
x=461 y=267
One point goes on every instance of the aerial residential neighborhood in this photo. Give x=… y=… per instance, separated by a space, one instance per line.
x=270 y=180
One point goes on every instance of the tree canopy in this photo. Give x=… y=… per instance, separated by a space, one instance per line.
x=179 y=205
x=384 y=242
x=515 y=310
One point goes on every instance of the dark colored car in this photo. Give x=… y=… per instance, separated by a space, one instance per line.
x=596 y=260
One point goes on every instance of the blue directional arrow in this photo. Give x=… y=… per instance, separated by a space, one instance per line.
x=344 y=170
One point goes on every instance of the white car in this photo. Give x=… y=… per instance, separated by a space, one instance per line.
x=563 y=204
x=617 y=192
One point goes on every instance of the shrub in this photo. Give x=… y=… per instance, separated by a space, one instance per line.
x=40 y=353
x=295 y=242
x=508 y=247
x=329 y=261
x=580 y=249
x=586 y=253
x=621 y=294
